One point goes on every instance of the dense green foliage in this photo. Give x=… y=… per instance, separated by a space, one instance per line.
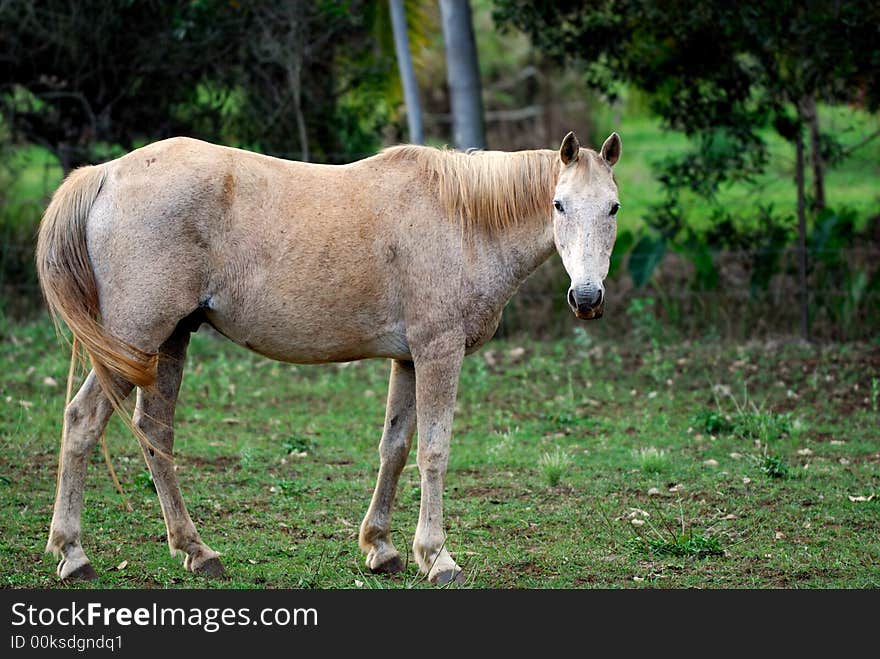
x=88 y=79
x=718 y=71
x=724 y=74
x=318 y=80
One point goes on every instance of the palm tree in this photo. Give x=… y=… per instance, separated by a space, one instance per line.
x=463 y=75
x=407 y=72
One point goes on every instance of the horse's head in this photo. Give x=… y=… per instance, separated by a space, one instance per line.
x=584 y=224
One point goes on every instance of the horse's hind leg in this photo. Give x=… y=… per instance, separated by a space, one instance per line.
x=154 y=415
x=400 y=424
x=84 y=420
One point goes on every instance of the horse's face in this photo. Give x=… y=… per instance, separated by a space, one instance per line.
x=584 y=224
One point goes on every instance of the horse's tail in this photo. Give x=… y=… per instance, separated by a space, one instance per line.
x=68 y=283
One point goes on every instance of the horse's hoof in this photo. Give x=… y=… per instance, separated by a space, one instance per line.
x=392 y=566
x=68 y=571
x=442 y=577
x=210 y=568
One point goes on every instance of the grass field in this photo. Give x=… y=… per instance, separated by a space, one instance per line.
x=851 y=183
x=577 y=463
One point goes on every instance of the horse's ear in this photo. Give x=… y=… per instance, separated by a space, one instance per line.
x=570 y=149
x=611 y=149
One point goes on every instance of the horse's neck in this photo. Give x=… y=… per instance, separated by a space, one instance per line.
x=533 y=244
x=515 y=251
x=504 y=261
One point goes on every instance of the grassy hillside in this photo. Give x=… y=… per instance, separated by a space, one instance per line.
x=854 y=183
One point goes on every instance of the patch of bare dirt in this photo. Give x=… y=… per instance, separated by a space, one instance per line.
x=220 y=462
x=493 y=493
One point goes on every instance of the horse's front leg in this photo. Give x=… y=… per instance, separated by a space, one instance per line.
x=437 y=365
x=400 y=424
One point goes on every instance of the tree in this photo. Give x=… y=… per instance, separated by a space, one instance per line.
x=281 y=44
x=88 y=79
x=463 y=75
x=73 y=75
x=309 y=70
x=721 y=72
x=407 y=72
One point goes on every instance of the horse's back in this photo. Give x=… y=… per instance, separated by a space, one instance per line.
x=293 y=260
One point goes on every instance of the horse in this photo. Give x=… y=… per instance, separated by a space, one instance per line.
x=409 y=255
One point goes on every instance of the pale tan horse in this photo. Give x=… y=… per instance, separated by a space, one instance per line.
x=409 y=255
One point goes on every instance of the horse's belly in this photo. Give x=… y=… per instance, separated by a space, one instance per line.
x=313 y=340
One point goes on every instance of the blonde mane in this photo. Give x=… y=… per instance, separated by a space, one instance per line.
x=487 y=190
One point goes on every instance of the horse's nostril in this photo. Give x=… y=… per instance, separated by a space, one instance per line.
x=586 y=300
x=586 y=296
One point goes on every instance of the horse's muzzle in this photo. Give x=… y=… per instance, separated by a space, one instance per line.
x=587 y=301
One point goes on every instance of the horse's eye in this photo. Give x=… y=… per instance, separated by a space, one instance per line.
x=558 y=205
x=614 y=208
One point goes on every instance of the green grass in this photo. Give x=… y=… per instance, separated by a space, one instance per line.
x=774 y=466
x=755 y=423
x=651 y=459
x=682 y=545
x=851 y=183
x=277 y=463
x=554 y=466
x=33 y=173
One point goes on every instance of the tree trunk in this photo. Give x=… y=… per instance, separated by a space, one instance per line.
x=64 y=153
x=294 y=72
x=802 y=234
x=291 y=54
x=300 y=119
x=463 y=75
x=294 y=80
x=811 y=114
x=407 y=72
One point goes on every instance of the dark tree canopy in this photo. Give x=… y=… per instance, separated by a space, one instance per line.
x=74 y=74
x=719 y=71
x=78 y=77
x=722 y=72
